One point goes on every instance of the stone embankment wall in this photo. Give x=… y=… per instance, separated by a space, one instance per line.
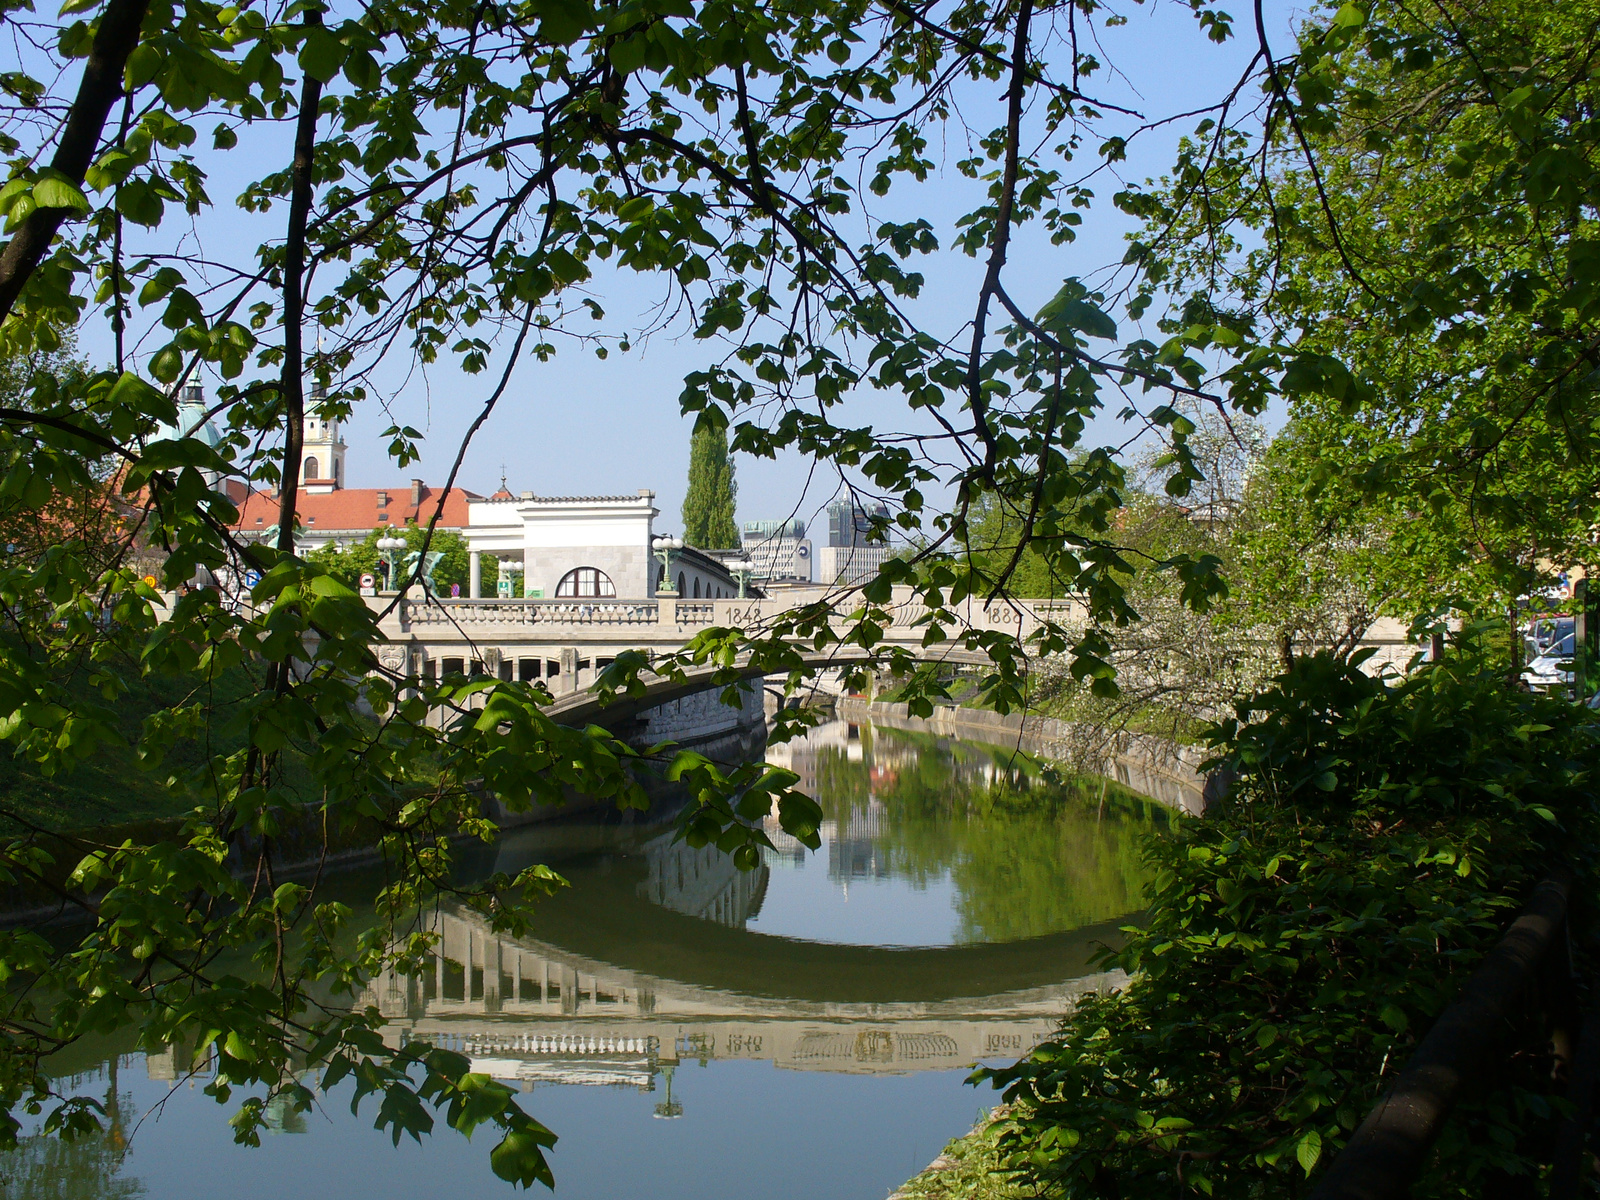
x=1152 y=766
x=702 y=715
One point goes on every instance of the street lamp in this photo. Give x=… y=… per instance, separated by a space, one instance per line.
x=670 y=1108
x=387 y=547
x=664 y=546
x=742 y=569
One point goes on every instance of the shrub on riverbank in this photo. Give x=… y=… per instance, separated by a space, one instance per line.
x=1303 y=936
x=967 y=1169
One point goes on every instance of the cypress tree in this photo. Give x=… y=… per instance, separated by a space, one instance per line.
x=708 y=505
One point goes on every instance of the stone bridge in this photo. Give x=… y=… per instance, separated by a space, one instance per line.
x=566 y=643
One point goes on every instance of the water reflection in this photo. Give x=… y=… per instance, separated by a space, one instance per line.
x=535 y=1013
x=47 y=1168
x=951 y=916
x=932 y=842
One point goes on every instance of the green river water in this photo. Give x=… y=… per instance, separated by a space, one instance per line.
x=691 y=1031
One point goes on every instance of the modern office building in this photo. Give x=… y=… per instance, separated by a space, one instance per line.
x=780 y=551
x=849 y=558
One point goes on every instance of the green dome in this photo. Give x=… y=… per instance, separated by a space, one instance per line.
x=192 y=421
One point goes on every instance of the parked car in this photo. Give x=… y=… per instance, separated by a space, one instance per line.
x=1553 y=667
x=1545 y=632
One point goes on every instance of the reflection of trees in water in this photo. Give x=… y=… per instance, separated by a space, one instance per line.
x=89 y=1168
x=1028 y=855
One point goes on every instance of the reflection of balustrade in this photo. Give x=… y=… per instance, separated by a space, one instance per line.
x=915 y=1046
x=528 y=1012
x=586 y=1059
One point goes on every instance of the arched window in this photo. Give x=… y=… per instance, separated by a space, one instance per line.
x=697 y=588
x=680 y=585
x=586 y=581
x=311 y=468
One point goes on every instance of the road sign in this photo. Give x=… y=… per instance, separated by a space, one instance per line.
x=369 y=580
x=251 y=578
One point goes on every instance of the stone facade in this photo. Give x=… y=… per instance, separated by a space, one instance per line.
x=704 y=715
x=552 y=537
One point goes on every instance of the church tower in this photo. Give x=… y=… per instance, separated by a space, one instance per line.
x=323 y=451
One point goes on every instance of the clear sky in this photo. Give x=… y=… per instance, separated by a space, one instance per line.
x=577 y=425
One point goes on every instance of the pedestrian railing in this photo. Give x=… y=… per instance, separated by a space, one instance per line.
x=1392 y=1145
x=477 y=614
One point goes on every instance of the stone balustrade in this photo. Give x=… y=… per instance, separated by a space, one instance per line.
x=667 y=617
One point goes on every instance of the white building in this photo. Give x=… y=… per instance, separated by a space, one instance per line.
x=851 y=565
x=585 y=547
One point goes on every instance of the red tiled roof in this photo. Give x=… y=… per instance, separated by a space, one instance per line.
x=358 y=508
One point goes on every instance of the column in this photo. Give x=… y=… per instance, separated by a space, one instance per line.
x=475 y=574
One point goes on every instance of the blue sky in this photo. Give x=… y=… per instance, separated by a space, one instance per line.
x=576 y=425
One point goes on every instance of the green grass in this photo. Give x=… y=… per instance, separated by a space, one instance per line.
x=967 y=1169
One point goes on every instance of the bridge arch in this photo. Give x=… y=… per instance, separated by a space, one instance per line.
x=587 y=708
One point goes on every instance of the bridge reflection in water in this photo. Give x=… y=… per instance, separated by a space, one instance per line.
x=656 y=956
x=530 y=1012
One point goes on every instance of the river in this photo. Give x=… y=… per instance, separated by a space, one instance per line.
x=690 y=1031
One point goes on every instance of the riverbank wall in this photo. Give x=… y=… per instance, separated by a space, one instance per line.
x=1163 y=770
x=722 y=733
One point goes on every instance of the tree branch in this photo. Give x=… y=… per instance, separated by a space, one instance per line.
x=98 y=90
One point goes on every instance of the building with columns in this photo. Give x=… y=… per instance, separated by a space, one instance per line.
x=583 y=548
x=549 y=547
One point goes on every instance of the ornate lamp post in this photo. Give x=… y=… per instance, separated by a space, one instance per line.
x=387 y=546
x=663 y=547
x=741 y=569
x=669 y=1108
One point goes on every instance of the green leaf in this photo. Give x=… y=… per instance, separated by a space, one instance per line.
x=167 y=364
x=55 y=192
x=322 y=55
x=239 y=1048
x=519 y=1158
x=1350 y=16
x=1068 y=310
x=627 y=54
x=1309 y=1150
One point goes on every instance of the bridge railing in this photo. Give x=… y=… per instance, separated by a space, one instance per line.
x=671 y=614
x=1528 y=967
x=477 y=614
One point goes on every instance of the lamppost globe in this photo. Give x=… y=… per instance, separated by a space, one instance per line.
x=742 y=569
x=663 y=547
x=387 y=546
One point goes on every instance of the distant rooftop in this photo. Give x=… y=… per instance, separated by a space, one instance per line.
x=793 y=527
x=641 y=494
